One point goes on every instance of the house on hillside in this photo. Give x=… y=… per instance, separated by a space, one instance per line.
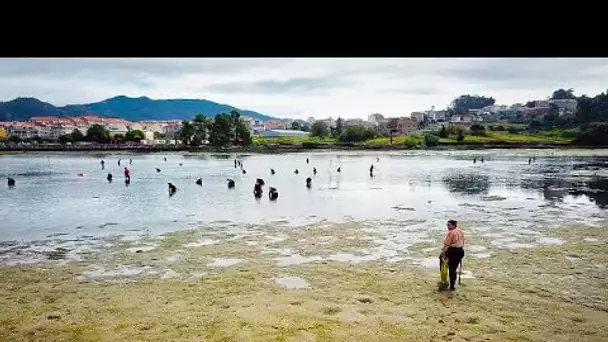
x=418 y=116
x=405 y=126
x=565 y=106
x=115 y=129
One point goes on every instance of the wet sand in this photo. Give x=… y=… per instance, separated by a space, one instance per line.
x=321 y=282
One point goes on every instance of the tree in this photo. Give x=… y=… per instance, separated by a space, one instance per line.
x=356 y=134
x=339 y=127
x=66 y=138
x=15 y=139
x=431 y=140
x=200 y=124
x=235 y=118
x=158 y=135
x=220 y=133
x=77 y=135
x=305 y=128
x=296 y=126
x=460 y=136
x=319 y=129
x=243 y=134
x=443 y=133
x=463 y=103
x=98 y=133
x=135 y=135
x=456 y=129
x=530 y=104
x=593 y=135
x=477 y=129
x=562 y=94
x=186 y=133
x=392 y=125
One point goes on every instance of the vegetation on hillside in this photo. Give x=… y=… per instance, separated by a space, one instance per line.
x=129 y=108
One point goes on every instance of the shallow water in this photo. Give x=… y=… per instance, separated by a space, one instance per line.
x=410 y=192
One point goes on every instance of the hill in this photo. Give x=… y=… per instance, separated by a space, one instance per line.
x=129 y=108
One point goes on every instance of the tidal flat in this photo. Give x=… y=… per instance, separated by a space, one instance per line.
x=321 y=282
x=353 y=257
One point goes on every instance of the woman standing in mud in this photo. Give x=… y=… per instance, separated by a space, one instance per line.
x=453 y=250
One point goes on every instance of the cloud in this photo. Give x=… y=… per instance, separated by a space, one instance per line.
x=298 y=85
x=300 y=88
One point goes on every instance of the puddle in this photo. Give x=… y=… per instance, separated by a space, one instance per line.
x=252 y=243
x=174 y=257
x=517 y=245
x=426 y=262
x=476 y=248
x=294 y=283
x=550 y=241
x=200 y=243
x=296 y=259
x=354 y=258
x=510 y=243
x=130 y=238
x=466 y=274
x=169 y=274
x=275 y=239
x=221 y=262
x=590 y=239
x=121 y=271
x=481 y=255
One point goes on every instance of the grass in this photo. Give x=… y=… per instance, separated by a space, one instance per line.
x=491 y=137
x=524 y=295
x=507 y=138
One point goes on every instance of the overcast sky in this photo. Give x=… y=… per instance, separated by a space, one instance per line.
x=298 y=88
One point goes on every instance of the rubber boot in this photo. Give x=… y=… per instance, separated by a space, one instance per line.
x=453 y=281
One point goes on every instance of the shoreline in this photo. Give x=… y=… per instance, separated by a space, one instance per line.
x=287 y=148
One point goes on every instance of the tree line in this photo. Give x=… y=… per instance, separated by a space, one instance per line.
x=348 y=134
x=223 y=130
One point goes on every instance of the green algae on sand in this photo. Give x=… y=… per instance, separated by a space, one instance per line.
x=548 y=293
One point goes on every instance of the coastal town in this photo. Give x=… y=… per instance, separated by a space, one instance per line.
x=51 y=128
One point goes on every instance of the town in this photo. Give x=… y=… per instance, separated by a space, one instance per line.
x=49 y=129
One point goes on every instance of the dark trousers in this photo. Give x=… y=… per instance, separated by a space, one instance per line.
x=454 y=255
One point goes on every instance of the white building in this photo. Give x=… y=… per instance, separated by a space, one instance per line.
x=23 y=130
x=115 y=129
x=418 y=116
x=436 y=115
x=278 y=133
x=358 y=122
x=565 y=105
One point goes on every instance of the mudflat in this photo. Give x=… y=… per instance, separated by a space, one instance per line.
x=322 y=282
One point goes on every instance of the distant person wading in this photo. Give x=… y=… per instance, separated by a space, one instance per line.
x=453 y=250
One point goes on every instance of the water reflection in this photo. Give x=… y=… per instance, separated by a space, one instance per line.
x=597 y=191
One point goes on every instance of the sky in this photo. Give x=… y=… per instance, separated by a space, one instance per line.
x=303 y=87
